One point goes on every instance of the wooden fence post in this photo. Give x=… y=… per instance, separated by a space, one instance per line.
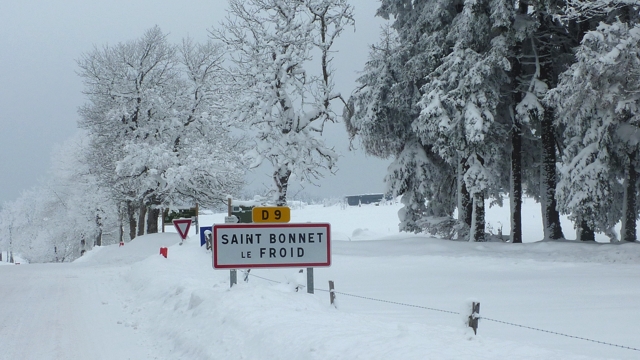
x=332 y=294
x=197 y=224
x=473 y=318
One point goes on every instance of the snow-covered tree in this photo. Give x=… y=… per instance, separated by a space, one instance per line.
x=597 y=101
x=63 y=217
x=427 y=185
x=537 y=41
x=157 y=127
x=461 y=99
x=89 y=214
x=127 y=86
x=8 y=218
x=277 y=94
x=383 y=108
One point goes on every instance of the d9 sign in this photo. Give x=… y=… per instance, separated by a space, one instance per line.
x=279 y=214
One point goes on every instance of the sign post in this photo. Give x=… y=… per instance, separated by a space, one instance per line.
x=272 y=245
x=229 y=219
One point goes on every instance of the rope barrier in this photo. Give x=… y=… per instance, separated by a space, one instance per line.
x=561 y=334
x=263 y=278
x=457 y=313
x=391 y=302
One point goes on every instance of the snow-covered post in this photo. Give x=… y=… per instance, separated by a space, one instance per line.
x=474 y=317
x=332 y=293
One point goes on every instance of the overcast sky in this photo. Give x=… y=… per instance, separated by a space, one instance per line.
x=40 y=90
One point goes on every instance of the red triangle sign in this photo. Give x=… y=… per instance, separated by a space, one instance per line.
x=182 y=226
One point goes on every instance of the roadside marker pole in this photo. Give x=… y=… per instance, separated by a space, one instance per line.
x=233 y=274
x=473 y=318
x=332 y=293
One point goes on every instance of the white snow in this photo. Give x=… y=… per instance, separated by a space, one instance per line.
x=131 y=303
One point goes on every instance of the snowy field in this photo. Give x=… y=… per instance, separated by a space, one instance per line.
x=399 y=297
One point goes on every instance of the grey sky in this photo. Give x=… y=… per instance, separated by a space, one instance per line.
x=40 y=91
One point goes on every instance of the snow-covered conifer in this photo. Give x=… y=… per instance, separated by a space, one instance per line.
x=596 y=100
x=461 y=99
x=383 y=108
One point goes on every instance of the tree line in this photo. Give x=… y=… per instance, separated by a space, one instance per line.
x=167 y=125
x=471 y=99
x=476 y=99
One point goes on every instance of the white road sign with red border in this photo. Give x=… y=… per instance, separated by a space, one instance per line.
x=246 y=246
x=182 y=226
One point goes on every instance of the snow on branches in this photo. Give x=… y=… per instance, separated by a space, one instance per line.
x=277 y=95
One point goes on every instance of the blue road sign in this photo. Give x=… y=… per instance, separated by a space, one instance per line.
x=203 y=240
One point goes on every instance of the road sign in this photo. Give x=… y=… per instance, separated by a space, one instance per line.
x=272 y=214
x=203 y=234
x=246 y=246
x=182 y=226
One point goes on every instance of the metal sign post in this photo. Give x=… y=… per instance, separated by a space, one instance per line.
x=233 y=274
x=310 y=280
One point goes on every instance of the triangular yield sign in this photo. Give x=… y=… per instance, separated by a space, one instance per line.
x=182 y=226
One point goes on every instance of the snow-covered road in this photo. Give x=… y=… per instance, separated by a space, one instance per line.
x=131 y=303
x=74 y=310
x=59 y=311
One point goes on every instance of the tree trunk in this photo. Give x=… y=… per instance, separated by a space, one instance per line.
x=142 y=214
x=152 y=220
x=131 y=215
x=120 y=225
x=516 y=140
x=630 y=206
x=548 y=173
x=465 y=203
x=586 y=233
x=516 y=183
x=98 y=241
x=477 y=223
x=552 y=229
x=281 y=178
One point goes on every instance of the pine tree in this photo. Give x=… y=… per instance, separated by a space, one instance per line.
x=384 y=107
x=596 y=100
x=460 y=106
